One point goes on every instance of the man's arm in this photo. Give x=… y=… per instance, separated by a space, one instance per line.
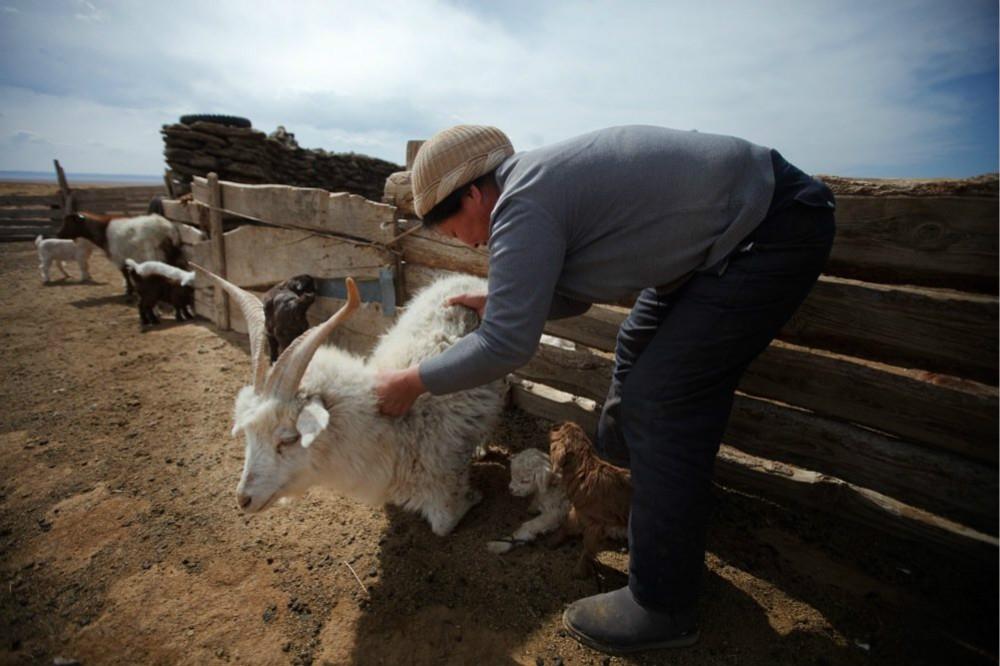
x=527 y=249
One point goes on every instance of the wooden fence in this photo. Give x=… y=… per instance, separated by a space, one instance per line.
x=878 y=402
x=23 y=217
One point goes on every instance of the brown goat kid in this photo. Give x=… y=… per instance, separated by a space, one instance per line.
x=285 y=306
x=600 y=493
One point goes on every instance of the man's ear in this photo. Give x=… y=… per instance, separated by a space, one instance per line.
x=312 y=420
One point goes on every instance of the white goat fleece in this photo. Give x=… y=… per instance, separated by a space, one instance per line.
x=59 y=250
x=140 y=238
x=333 y=435
x=531 y=475
x=147 y=268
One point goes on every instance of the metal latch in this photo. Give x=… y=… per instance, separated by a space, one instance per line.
x=380 y=290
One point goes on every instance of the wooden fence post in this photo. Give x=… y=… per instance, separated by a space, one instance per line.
x=218 y=249
x=412 y=146
x=65 y=194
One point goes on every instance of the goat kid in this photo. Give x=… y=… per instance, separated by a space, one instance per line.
x=156 y=281
x=531 y=476
x=57 y=250
x=285 y=306
x=312 y=418
x=600 y=493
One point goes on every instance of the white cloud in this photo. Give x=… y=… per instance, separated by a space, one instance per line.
x=839 y=87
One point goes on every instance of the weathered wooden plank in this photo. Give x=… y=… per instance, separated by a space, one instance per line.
x=932 y=479
x=932 y=241
x=412 y=148
x=259 y=256
x=16 y=238
x=190 y=235
x=179 y=211
x=437 y=251
x=938 y=412
x=795 y=486
x=33 y=200
x=930 y=329
x=218 y=244
x=31 y=214
x=398 y=191
x=24 y=227
x=553 y=405
x=88 y=195
x=941 y=483
x=838 y=498
x=305 y=208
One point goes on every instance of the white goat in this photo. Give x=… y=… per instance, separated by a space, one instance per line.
x=313 y=419
x=531 y=475
x=142 y=238
x=58 y=250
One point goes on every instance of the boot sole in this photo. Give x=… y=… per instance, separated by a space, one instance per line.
x=683 y=641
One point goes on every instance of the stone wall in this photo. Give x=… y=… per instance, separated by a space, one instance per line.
x=250 y=156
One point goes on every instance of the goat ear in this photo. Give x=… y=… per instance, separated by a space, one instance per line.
x=542 y=477
x=312 y=420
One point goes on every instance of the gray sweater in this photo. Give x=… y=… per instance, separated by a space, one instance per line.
x=595 y=219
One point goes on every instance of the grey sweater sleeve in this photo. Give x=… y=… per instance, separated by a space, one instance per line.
x=526 y=257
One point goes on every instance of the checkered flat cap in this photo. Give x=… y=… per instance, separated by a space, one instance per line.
x=453 y=157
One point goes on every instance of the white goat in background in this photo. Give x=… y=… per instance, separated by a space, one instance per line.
x=57 y=250
x=313 y=418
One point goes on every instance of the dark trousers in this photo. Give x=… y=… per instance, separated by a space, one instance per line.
x=679 y=359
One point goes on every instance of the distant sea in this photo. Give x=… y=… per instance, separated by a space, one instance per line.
x=50 y=177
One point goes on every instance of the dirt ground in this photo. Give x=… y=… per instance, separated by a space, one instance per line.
x=120 y=540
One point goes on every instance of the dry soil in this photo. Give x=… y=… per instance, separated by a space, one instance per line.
x=120 y=541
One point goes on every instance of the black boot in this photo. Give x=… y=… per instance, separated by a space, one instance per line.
x=615 y=623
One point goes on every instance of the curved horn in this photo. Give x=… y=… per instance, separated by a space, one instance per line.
x=253 y=314
x=283 y=382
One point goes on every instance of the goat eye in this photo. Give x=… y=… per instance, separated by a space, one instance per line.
x=288 y=440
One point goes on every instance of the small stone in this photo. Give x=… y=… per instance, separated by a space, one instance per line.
x=270 y=613
x=65 y=661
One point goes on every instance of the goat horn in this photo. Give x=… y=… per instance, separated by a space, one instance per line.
x=253 y=314
x=283 y=382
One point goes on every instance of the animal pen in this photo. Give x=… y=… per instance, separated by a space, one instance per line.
x=878 y=402
x=23 y=217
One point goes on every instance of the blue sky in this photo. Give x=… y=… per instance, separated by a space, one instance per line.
x=856 y=88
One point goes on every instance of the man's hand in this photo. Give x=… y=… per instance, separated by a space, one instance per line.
x=398 y=389
x=475 y=302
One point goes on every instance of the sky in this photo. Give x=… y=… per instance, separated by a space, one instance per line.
x=842 y=87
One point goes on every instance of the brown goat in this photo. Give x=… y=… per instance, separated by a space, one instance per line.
x=141 y=238
x=600 y=493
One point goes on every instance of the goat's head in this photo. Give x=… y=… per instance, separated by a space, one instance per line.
x=569 y=447
x=74 y=226
x=278 y=423
x=530 y=472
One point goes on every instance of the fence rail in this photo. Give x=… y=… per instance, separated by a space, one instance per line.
x=877 y=402
x=23 y=217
